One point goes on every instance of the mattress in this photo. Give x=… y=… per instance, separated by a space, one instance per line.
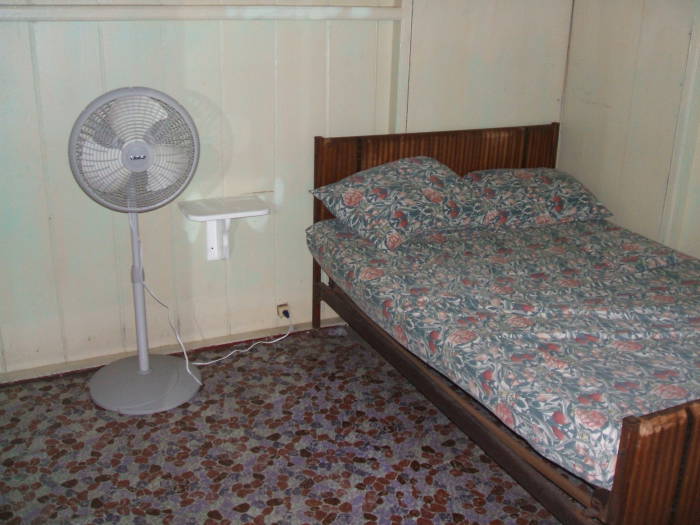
x=560 y=331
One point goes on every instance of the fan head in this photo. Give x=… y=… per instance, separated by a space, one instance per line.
x=133 y=149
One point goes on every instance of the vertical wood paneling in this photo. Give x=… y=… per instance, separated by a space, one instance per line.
x=248 y=77
x=248 y=103
x=656 y=95
x=300 y=114
x=624 y=81
x=385 y=77
x=83 y=248
x=352 y=77
x=29 y=310
x=486 y=63
x=202 y=308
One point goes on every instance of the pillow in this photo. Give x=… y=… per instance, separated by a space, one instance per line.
x=387 y=204
x=533 y=196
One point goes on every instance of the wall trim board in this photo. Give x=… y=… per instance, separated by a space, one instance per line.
x=98 y=13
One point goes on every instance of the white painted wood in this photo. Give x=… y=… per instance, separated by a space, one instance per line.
x=682 y=206
x=248 y=58
x=403 y=68
x=57 y=13
x=300 y=115
x=29 y=311
x=486 y=63
x=201 y=299
x=626 y=67
x=352 y=77
x=83 y=250
x=386 y=86
x=248 y=74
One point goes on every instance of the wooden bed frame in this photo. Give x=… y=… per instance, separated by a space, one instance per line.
x=657 y=476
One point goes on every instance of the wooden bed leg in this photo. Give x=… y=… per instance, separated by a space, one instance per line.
x=316 y=297
x=657 y=473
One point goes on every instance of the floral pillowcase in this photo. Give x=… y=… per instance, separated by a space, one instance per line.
x=390 y=203
x=533 y=196
x=387 y=204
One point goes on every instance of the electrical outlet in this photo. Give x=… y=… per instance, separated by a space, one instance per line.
x=281 y=308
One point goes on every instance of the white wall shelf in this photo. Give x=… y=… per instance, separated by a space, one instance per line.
x=218 y=213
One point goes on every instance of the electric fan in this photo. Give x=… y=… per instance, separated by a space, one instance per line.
x=133 y=150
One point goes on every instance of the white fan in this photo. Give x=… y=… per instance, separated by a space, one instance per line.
x=133 y=150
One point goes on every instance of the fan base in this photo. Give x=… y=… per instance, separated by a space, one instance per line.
x=119 y=386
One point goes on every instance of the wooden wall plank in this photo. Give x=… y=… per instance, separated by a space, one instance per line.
x=624 y=81
x=29 y=311
x=68 y=63
x=482 y=63
x=300 y=113
x=352 y=77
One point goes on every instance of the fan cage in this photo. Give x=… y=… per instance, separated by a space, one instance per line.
x=136 y=119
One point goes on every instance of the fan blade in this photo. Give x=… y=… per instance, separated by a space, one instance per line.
x=105 y=136
x=158 y=131
x=101 y=167
x=121 y=116
x=171 y=162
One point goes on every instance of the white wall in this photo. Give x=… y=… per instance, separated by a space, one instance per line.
x=627 y=65
x=682 y=209
x=487 y=63
x=259 y=90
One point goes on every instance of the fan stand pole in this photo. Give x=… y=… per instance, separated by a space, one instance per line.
x=137 y=279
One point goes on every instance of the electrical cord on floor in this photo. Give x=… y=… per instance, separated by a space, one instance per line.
x=231 y=353
x=256 y=343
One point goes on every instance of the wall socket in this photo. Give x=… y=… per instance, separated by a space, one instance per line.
x=280 y=310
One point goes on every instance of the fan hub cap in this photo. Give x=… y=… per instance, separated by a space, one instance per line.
x=137 y=156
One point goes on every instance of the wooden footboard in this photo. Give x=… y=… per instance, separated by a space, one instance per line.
x=657 y=477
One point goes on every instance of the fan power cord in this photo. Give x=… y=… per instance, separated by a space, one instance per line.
x=175 y=331
x=256 y=343
x=231 y=353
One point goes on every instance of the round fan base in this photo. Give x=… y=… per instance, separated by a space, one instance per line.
x=120 y=387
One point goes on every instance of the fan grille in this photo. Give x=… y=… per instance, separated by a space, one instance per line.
x=134 y=149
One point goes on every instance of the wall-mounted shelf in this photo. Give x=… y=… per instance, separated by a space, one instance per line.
x=217 y=213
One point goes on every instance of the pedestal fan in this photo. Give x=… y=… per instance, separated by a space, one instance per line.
x=133 y=150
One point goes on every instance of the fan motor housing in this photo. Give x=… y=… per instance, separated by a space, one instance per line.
x=137 y=156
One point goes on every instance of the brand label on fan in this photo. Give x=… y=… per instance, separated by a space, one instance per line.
x=137 y=156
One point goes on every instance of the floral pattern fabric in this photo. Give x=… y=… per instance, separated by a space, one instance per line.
x=561 y=331
x=390 y=203
x=533 y=196
x=387 y=204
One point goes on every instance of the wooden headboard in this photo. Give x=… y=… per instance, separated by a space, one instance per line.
x=463 y=151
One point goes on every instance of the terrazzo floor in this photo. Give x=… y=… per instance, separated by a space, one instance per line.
x=314 y=429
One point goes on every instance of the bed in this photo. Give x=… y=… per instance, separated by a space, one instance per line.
x=651 y=473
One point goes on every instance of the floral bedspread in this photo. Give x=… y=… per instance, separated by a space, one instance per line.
x=561 y=331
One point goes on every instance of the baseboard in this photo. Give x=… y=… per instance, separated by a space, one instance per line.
x=43 y=372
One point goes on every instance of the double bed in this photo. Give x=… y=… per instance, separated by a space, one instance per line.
x=568 y=345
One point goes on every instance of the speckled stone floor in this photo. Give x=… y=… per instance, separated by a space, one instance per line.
x=314 y=429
